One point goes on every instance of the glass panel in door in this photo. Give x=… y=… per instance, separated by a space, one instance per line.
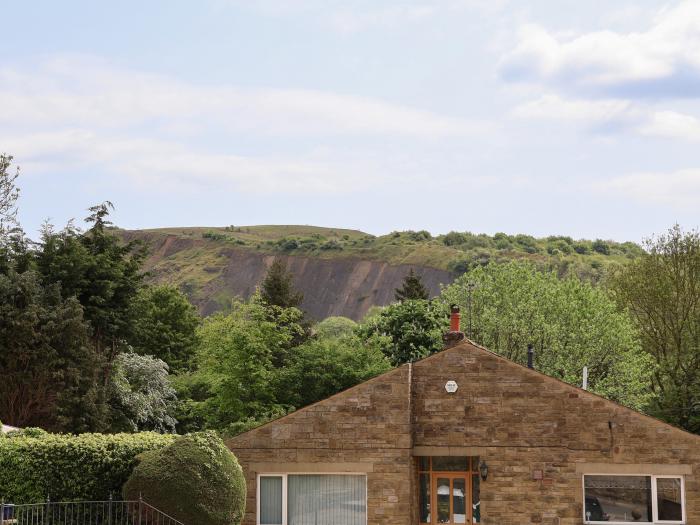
x=459 y=500
x=442 y=495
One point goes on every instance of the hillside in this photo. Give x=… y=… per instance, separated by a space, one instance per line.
x=345 y=272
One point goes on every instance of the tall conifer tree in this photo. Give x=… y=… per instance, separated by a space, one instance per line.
x=412 y=288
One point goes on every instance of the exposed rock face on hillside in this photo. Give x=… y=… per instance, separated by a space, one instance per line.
x=212 y=273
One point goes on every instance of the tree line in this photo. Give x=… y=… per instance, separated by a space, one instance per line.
x=88 y=345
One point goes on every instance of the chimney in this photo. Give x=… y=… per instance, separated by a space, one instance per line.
x=530 y=356
x=454 y=336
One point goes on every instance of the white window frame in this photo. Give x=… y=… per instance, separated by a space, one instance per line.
x=284 y=496
x=654 y=502
x=285 y=475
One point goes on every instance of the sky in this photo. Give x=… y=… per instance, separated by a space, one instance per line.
x=522 y=116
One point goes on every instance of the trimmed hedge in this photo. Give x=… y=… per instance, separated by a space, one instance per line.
x=36 y=465
x=195 y=480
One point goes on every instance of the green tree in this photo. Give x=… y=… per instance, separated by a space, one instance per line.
x=322 y=367
x=9 y=193
x=570 y=323
x=236 y=357
x=164 y=325
x=48 y=367
x=335 y=327
x=141 y=395
x=661 y=290
x=277 y=288
x=101 y=271
x=412 y=288
x=410 y=330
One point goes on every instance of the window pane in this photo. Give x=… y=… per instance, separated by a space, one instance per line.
x=476 y=499
x=326 y=500
x=425 y=498
x=450 y=464
x=459 y=500
x=271 y=500
x=624 y=499
x=443 y=500
x=669 y=499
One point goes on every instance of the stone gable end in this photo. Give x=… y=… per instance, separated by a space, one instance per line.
x=537 y=435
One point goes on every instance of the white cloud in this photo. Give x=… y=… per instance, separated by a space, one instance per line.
x=671 y=124
x=87 y=92
x=167 y=165
x=552 y=106
x=678 y=189
x=608 y=115
x=663 y=61
x=162 y=132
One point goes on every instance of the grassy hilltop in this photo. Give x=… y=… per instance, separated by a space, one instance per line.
x=214 y=264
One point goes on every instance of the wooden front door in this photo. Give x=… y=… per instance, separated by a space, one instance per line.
x=451 y=498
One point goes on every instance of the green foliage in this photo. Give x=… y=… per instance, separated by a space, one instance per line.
x=322 y=367
x=661 y=290
x=570 y=323
x=164 y=326
x=141 y=395
x=48 y=367
x=9 y=193
x=412 y=288
x=238 y=355
x=277 y=288
x=196 y=479
x=100 y=270
x=69 y=468
x=409 y=330
x=332 y=327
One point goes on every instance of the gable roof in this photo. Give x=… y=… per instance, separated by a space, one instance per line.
x=471 y=346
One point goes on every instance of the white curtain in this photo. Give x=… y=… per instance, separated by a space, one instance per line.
x=271 y=500
x=326 y=500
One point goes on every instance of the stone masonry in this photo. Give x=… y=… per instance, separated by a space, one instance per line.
x=538 y=436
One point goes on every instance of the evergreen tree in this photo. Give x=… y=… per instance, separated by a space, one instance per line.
x=101 y=271
x=48 y=366
x=277 y=288
x=412 y=288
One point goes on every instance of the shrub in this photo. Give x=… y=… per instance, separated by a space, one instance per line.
x=34 y=465
x=601 y=247
x=196 y=480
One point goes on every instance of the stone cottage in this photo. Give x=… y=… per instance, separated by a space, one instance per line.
x=467 y=436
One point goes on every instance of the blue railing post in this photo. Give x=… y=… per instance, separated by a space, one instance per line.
x=140 y=508
x=109 y=519
x=2 y=512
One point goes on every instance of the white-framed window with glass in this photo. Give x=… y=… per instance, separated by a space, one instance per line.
x=312 y=499
x=612 y=499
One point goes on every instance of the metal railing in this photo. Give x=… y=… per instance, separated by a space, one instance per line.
x=109 y=512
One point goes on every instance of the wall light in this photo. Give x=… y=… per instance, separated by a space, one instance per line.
x=484 y=470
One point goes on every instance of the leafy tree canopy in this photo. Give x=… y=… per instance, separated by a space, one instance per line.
x=409 y=330
x=571 y=324
x=164 y=326
x=661 y=291
x=141 y=395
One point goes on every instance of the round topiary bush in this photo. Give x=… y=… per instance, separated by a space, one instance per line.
x=196 y=479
